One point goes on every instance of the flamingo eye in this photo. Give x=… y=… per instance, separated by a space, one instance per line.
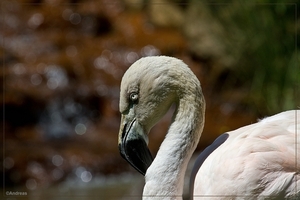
x=134 y=97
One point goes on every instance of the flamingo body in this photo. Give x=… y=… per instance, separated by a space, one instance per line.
x=257 y=161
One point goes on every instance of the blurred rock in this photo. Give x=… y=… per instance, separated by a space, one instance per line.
x=135 y=4
x=166 y=13
x=207 y=37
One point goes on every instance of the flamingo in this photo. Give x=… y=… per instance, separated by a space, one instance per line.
x=258 y=161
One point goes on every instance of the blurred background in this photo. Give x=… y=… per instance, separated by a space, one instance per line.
x=62 y=63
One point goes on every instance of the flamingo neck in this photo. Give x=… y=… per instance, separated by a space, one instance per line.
x=165 y=176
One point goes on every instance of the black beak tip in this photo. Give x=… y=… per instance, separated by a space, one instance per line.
x=137 y=154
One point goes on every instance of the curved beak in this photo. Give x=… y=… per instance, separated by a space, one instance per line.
x=133 y=144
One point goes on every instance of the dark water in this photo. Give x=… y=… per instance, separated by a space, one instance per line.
x=124 y=186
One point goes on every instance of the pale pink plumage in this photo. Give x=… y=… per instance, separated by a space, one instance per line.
x=258 y=160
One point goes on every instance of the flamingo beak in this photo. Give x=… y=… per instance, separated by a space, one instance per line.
x=133 y=145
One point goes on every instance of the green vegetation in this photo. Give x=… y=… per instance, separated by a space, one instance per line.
x=262 y=37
